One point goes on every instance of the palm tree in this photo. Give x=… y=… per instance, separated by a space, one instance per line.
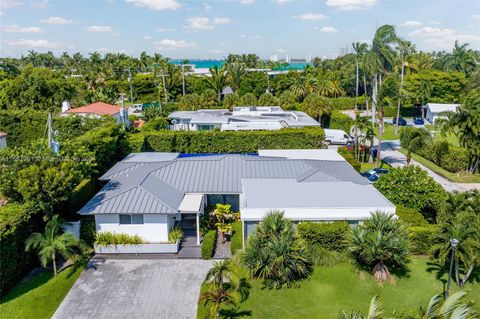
x=464 y=227
x=316 y=106
x=275 y=254
x=412 y=139
x=217 y=80
x=235 y=74
x=360 y=49
x=378 y=243
x=360 y=124
x=216 y=298
x=375 y=311
x=51 y=243
x=451 y=308
x=461 y=59
x=406 y=48
x=219 y=273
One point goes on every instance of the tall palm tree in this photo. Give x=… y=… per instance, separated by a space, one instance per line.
x=406 y=48
x=412 y=139
x=235 y=74
x=51 y=243
x=360 y=49
x=462 y=59
x=217 y=80
x=360 y=124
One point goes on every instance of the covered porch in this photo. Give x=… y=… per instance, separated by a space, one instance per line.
x=190 y=209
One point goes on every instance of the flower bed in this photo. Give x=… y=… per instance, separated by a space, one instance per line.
x=152 y=248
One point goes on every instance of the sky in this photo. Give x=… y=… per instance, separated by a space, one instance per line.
x=211 y=29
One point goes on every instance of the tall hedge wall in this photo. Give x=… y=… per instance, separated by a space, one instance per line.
x=338 y=120
x=330 y=236
x=17 y=222
x=231 y=142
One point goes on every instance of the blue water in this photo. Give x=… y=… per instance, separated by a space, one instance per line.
x=211 y=63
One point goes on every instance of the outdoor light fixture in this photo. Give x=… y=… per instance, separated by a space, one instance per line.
x=453 y=242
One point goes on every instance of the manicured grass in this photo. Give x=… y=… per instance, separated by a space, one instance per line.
x=39 y=296
x=368 y=166
x=388 y=133
x=341 y=287
x=460 y=177
x=236 y=241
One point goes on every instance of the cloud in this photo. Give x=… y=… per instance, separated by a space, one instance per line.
x=351 y=4
x=164 y=29
x=411 y=23
x=435 y=22
x=311 y=16
x=247 y=1
x=206 y=7
x=442 y=39
x=13 y=28
x=282 y=1
x=326 y=29
x=157 y=5
x=147 y=37
x=204 y=23
x=281 y=50
x=168 y=44
x=254 y=36
x=99 y=28
x=57 y=20
x=39 y=4
x=216 y=51
x=476 y=16
x=7 y=4
x=33 y=43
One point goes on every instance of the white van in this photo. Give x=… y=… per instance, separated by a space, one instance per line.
x=336 y=137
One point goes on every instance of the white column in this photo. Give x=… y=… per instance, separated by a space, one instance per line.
x=198 y=227
x=243 y=234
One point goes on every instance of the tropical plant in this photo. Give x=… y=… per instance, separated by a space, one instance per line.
x=217 y=80
x=453 y=307
x=375 y=311
x=275 y=254
x=360 y=125
x=316 y=106
x=412 y=139
x=360 y=49
x=462 y=59
x=51 y=243
x=106 y=238
x=175 y=234
x=235 y=74
x=463 y=227
x=379 y=243
x=406 y=49
x=223 y=218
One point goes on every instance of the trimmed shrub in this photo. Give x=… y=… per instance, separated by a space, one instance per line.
x=330 y=236
x=208 y=244
x=411 y=216
x=451 y=158
x=232 y=142
x=88 y=229
x=339 y=121
x=236 y=243
x=404 y=111
x=106 y=238
x=421 y=238
x=348 y=156
x=17 y=222
x=136 y=142
x=347 y=103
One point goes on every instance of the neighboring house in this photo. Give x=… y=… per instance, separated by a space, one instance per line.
x=241 y=118
x=433 y=110
x=97 y=109
x=3 y=139
x=147 y=193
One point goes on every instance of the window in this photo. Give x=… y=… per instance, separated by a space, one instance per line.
x=131 y=219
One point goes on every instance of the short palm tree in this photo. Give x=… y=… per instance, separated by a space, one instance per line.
x=451 y=308
x=375 y=311
x=412 y=139
x=217 y=298
x=219 y=273
x=275 y=254
x=380 y=242
x=51 y=243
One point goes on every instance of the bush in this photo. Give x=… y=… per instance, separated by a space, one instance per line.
x=109 y=238
x=348 y=156
x=17 y=222
x=330 y=236
x=339 y=121
x=175 y=234
x=81 y=194
x=421 y=238
x=88 y=229
x=404 y=111
x=236 y=243
x=209 y=243
x=232 y=142
x=411 y=216
x=451 y=158
x=412 y=187
x=347 y=103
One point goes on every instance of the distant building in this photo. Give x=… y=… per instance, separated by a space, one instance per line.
x=3 y=139
x=433 y=110
x=97 y=109
x=247 y=118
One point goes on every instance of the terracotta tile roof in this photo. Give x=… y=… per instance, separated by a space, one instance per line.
x=98 y=108
x=3 y=134
x=138 y=123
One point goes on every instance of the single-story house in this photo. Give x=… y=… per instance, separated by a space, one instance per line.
x=147 y=193
x=3 y=139
x=241 y=118
x=97 y=109
x=433 y=110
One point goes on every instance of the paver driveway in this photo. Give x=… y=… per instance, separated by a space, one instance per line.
x=166 y=288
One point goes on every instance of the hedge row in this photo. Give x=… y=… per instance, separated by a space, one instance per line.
x=348 y=156
x=209 y=243
x=410 y=216
x=404 y=111
x=452 y=158
x=236 y=242
x=340 y=121
x=232 y=142
x=330 y=236
x=347 y=103
x=17 y=222
x=421 y=238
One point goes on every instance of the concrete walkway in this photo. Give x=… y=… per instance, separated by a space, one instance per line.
x=390 y=155
x=136 y=289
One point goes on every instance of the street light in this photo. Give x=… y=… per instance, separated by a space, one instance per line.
x=453 y=242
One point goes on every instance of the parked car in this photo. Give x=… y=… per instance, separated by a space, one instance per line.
x=401 y=121
x=373 y=174
x=418 y=121
x=337 y=137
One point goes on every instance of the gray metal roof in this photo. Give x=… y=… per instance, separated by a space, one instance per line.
x=159 y=187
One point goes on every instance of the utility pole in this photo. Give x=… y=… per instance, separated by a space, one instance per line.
x=183 y=79
x=49 y=128
x=164 y=85
x=130 y=83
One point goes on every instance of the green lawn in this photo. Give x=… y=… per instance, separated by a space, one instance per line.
x=460 y=177
x=340 y=287
x=388 y=133
x=39 y=296
x=368 y=166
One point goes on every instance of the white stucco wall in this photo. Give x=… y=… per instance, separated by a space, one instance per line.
x=154 y=229
x=3 y=142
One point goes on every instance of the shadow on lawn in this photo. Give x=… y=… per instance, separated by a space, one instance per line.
x=234 y=313
x=29 y=283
